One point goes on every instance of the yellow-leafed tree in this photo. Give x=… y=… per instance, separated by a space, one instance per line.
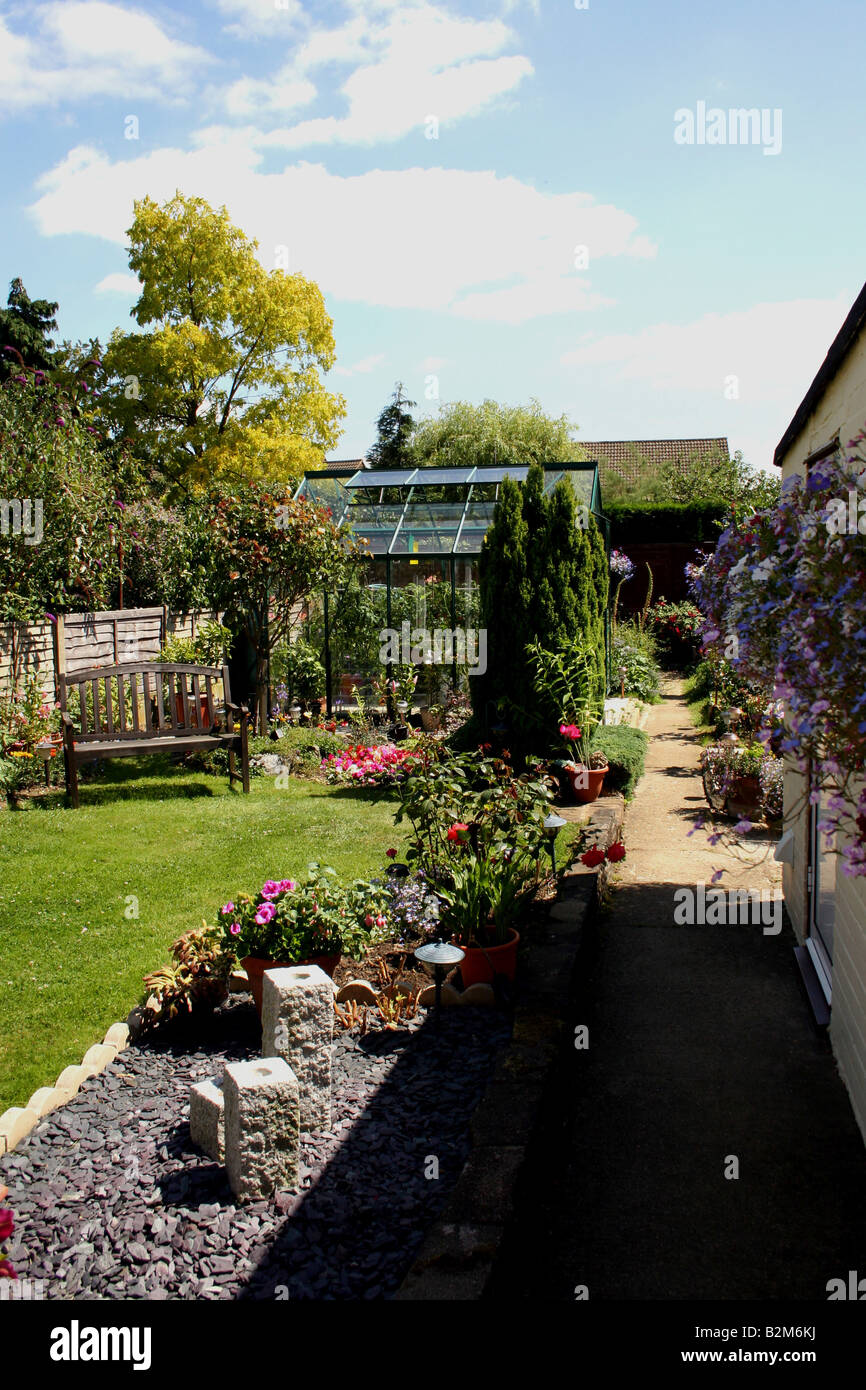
x=222 y=381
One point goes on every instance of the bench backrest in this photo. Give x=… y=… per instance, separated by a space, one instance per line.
x=138 y=700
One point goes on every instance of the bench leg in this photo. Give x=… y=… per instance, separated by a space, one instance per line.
x=232 y=766
x=71 y=778
x=245 y=753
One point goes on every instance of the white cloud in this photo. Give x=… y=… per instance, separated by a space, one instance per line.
x=773 y=350
x=411 y=62
x=361 y=368
x=92 y=49
x=256 y=19
x=119 y=282
x=459 y=241
x=247 y=96
x=434 y=364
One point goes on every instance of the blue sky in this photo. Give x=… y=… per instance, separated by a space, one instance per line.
x=713 y=275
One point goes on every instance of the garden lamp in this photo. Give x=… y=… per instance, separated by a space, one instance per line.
x=440 y=956
x=552 y=826
x=295 y=711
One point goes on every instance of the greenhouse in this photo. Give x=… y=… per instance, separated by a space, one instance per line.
x=423 y=529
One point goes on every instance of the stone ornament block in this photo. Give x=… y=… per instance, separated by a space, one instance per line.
x=262 y=1127
x=70 y=1081
x=298 y=1025
x=207 y=1118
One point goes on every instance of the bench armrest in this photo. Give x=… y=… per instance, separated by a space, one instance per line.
x=67 y=721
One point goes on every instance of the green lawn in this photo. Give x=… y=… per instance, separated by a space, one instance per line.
x=181 y=843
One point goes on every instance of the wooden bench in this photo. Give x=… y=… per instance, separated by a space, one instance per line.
x=134 y=709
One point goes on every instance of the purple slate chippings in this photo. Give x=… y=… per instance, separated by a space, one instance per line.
x=112 y=1201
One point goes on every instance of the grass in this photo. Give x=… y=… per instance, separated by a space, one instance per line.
x=175 y=845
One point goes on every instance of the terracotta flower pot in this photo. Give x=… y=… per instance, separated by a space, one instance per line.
x=482 y=963
x=587 y=782
x=255 y=966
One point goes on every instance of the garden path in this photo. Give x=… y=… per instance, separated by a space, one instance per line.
x=702 y=1051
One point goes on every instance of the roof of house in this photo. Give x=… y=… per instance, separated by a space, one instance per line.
x=838 y=351
x=630 y=457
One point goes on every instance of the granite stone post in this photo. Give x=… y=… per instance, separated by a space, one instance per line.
x=298 y=1025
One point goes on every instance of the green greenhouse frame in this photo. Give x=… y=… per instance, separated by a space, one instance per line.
x=407 y=516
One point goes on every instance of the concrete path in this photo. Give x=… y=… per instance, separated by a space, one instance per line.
x=703 y=1060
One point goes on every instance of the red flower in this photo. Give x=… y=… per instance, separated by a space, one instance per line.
x=391 y=853
x=7 y=1223
x=7 y=1271
x=593 y=857
x=616 y=852
x=457 y=831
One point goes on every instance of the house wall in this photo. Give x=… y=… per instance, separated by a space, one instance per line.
x=842 y=412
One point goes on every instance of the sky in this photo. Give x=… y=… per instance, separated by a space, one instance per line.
x=511 y=200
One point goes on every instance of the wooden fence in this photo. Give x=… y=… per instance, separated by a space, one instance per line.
x=75 y=641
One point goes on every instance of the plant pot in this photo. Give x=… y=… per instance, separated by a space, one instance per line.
x=481 y=964
x=745 y=799
x=587 y=782
x=200 y=721
x=255 y=966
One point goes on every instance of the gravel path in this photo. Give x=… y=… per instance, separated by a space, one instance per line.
x=112 y=1200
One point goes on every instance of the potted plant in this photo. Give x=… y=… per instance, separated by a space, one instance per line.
x=479 y=905
x=479 y=840
x=586 y=769
x=731 y=773
x=291 y=923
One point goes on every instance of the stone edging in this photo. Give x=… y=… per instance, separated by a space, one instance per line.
x=17 y=1122
x=457 y=1256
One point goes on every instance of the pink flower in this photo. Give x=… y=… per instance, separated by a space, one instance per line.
x=287 y=885
x=270 y=889
x=7 y=1223
x=368 y=920
x=380 y=921
x=265 y=914
x=235 y=928
x=227 y=908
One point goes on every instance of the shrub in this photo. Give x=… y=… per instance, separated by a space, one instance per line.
x=676 y=628
x=207 y=648
x=641 y=676
x=625 y=749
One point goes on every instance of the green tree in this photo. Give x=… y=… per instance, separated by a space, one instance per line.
x=394 y=429
x=268 y=552
x=464 y=435
x=25 y=325
x=61 y=518
x=223 y=381
x=543 y=578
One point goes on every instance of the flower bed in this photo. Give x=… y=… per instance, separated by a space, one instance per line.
x=113 y=1201
x=368 y=766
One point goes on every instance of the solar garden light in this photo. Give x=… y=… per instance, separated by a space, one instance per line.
x=438 y=957
x=295 y=711
x=402 y=706
x=552 y=826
